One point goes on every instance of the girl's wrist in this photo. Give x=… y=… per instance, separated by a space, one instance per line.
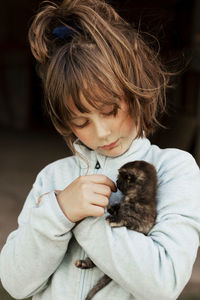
x=61 y=203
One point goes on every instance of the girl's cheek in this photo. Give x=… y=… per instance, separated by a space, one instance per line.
x=83 y=135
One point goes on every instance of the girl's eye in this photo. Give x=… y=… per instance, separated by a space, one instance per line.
x=80 y=125
x=113 y=112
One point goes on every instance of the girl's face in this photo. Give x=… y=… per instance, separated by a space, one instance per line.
x=109 y=131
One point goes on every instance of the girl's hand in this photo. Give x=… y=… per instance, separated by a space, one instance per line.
x=86 y=196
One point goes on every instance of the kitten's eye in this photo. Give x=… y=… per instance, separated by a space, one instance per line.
x=128 y=177
x=124 y=176
x=132 y=178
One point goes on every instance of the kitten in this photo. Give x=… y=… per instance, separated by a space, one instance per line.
x=137 y=211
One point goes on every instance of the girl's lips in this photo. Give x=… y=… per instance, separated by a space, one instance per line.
x=110 y=146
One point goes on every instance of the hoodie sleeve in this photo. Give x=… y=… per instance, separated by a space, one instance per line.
x=33 y=252
x=159 y=265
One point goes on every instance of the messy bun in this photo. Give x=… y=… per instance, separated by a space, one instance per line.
x=38 y=33
x=85 y=12
x=102 y=56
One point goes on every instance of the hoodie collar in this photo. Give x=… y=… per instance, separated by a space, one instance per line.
x=88 y=157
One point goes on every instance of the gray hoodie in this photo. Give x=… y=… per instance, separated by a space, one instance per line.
x=38 y=258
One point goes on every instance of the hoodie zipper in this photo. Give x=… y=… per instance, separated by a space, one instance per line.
x=84 y=275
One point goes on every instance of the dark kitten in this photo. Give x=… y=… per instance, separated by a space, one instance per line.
x=137 y=211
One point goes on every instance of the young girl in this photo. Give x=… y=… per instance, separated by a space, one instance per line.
x=104 y=88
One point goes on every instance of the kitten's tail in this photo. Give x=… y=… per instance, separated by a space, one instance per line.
x=103 y=281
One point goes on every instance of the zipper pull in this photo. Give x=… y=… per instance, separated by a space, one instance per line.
x=97 y=165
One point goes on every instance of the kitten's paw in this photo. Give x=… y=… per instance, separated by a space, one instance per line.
x=110 y=218
x=113 y=222
x=116 y=224
x=113 y=210
x=78 y=263
x=82 y=264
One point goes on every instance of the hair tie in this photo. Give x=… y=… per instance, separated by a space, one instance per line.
x=64 y=32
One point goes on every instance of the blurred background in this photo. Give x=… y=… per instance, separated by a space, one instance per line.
x=28 y=141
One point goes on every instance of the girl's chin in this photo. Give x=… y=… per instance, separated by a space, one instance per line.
x=114 y=152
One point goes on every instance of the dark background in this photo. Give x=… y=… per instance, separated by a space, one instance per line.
x=175 y=23
x=27 y=139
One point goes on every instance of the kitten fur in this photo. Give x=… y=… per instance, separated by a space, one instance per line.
x=137 y=210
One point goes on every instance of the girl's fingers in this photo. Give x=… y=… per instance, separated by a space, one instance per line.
x=101 y=189
x=99 y=200
x=85 y=196
x=102 y=179
x=95 y=211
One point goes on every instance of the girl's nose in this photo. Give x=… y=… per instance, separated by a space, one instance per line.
x=102 y=128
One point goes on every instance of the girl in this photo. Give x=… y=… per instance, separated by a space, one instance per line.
x=104 y=88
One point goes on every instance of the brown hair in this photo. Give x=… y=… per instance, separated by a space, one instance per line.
x=104 y=53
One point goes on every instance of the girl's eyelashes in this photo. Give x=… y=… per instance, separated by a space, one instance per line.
x=80 y=125
x=112 y=112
